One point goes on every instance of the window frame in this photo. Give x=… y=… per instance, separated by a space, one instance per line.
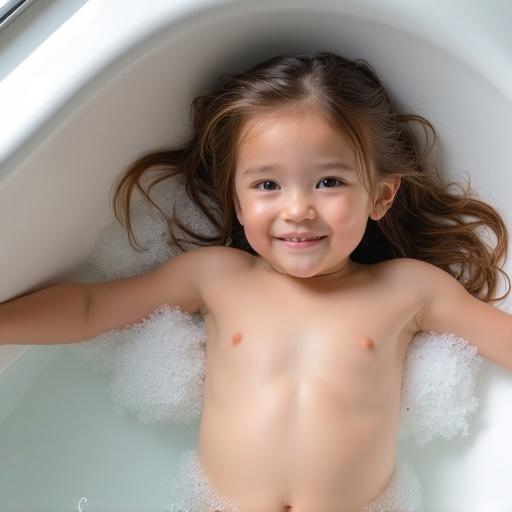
x=11 y=9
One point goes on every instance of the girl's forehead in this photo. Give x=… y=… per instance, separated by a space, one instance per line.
x=291 y=122
x=307 y=130
x=290 y=115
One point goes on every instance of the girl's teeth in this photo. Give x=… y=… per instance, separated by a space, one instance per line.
x=301 y=239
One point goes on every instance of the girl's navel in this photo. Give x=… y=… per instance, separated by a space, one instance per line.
x=367 y=343
x=237 y=338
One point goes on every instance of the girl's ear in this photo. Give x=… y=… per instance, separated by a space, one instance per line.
x=388 y=190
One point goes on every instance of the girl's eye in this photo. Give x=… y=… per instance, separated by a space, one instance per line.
x=331 y=180
x=257 y=186
x=323 y=180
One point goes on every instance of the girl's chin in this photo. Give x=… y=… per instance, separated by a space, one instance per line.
x=293 y=272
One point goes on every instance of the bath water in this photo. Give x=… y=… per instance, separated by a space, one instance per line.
x=64 y=449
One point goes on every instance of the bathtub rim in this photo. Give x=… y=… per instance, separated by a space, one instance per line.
x=21 y=133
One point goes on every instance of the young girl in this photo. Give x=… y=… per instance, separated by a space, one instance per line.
x=335 y=246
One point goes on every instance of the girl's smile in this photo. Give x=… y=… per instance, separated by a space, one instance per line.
x=302 y=244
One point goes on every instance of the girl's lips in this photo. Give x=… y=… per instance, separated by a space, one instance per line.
x=301 y=245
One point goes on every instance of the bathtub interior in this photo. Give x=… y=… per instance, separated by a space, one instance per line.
x=57 y=188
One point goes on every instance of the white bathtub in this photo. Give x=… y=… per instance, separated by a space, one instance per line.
x=115 y=79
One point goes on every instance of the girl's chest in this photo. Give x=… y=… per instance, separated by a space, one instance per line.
x=343 y=344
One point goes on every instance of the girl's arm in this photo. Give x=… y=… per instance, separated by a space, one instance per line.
x=449 y=307
x=73 y=312
x=178 y=282
x=56 y=314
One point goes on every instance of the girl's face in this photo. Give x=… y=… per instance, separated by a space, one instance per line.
x=309 y=184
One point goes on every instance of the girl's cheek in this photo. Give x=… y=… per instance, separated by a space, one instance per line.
x=343 y=211
x=261 y=208
x=349 y=220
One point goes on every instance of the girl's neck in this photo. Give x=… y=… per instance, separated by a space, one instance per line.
x=343 y=272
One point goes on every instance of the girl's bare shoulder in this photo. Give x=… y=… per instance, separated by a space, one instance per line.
x=400 y=269
x=403 y=279
x=221 y=259
x=218 y=265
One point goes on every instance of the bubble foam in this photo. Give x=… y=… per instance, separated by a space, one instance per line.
x=191 y=490
x=157 y=366
x=403 y=494
x=113 y=256
x=438 y=387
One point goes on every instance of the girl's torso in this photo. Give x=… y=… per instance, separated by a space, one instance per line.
x=297 y=409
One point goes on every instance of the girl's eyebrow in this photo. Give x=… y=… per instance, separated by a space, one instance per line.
x=335 y=164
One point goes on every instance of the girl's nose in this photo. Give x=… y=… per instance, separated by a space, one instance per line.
x=298 y=208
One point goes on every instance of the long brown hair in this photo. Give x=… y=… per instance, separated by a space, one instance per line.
x=426 y=220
